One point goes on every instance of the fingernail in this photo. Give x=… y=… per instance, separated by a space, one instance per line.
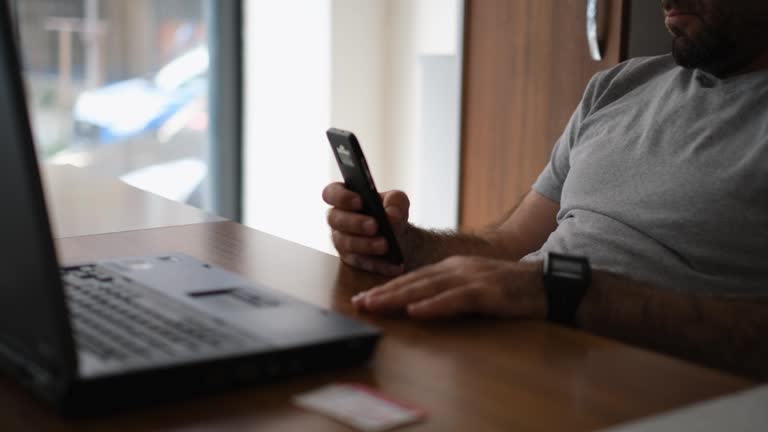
x=373 y=301
x=393 y=211
x=366 y=265
x=418 y=308
x=352 y=260
x=380 y=245
x=369 y=226
x=359 y=296
x=357 y=203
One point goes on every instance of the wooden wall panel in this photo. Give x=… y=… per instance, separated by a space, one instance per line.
x=526 y=66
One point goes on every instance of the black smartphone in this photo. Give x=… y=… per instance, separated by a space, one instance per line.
x=357 y=178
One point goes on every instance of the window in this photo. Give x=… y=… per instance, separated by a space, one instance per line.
x=121 y=87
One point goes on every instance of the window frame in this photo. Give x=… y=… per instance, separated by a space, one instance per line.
x=225 y=23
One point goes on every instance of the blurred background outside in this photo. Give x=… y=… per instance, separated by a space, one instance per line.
x=120 y=87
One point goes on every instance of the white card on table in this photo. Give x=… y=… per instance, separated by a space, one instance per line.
x=359 y=406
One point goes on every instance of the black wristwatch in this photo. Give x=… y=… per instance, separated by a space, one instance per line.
x=566 y=279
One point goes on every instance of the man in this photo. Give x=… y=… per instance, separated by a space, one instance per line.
x=660 y=180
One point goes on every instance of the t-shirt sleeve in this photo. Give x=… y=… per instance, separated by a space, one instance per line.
x=550 y=182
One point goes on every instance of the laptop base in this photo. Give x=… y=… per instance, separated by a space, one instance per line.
x=108 y=395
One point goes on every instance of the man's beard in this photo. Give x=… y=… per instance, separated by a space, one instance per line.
x=716 y=50
x=708 y=50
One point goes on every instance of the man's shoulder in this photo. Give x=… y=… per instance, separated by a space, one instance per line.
x=629 y=75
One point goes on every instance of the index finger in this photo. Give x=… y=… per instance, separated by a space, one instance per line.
x=337 y=195
x=415 y=285
x=403 y=281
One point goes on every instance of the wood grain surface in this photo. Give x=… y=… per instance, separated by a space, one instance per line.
x=526 y=65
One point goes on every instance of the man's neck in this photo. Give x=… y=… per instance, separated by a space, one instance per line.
x=759 y=63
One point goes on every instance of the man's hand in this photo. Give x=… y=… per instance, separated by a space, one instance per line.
x=462 y=285
x=355 y=234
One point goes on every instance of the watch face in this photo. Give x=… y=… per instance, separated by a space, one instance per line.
x=566 y=279
x=563 y=267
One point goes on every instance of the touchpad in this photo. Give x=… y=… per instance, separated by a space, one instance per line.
x=234 y=299
x=284 y=323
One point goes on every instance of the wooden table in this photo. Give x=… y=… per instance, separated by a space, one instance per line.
x=83 y=203
x=471 y=375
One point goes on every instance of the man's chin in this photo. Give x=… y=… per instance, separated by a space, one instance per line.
x=686 y=53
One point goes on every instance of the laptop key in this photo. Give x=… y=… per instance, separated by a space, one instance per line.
x=119 y=320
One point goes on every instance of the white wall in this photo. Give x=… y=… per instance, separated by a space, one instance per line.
x=414 y=30
x=287 y=108
x=357 y=65
x=358 y=76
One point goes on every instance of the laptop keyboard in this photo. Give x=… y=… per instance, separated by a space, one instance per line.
x=116 y=319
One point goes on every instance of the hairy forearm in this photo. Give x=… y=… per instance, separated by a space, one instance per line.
x=522 y=230
x=722 y=332
x=422 y=247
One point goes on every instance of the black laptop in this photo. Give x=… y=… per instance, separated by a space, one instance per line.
x=116 y=332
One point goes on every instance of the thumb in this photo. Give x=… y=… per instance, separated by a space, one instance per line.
x=397 y=206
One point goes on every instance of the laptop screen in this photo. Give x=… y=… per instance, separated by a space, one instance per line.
x=34 y=327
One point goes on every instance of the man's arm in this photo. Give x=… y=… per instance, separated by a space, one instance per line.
x=723 y=332
x=523 y=230
x=714 y=330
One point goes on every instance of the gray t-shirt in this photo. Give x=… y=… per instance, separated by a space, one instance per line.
x=662 y=176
